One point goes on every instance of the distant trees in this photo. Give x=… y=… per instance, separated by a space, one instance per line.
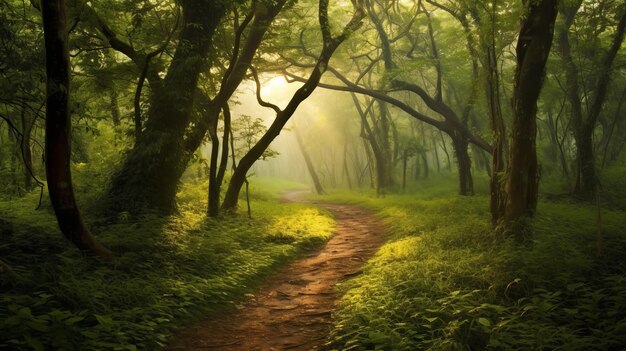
x=586 y=88
x=399 y=42
x=21 y=99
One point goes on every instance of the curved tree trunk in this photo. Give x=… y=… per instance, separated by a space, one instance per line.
x=309 y=163
x=261 y=18
x=58 y=128
x=330 y=44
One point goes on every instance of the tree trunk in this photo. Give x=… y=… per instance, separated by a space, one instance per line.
x=115 y=109
x=309 y=163
x=586 y=178
x=424 y=153
x=405 y=157
x=58 y=129
x=464 y=164
x=436 y=149
x=27 y=155
x=14 y=138
x=522 y=181
x=372 y=143
x=424 y=157
x=225 y=143
x=346 y=169
x=607 y=132
x=369 y=167
x=149 y=176
x=387 y=153
x=586 y=162
x=445 y=151
x=330 y=44
x=496 y=181
x=214 y=188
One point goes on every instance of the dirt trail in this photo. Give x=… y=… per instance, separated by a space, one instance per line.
x=292 y=310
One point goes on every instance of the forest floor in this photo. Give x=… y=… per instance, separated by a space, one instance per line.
x=292 y=309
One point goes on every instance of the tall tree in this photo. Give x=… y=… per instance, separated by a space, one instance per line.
x=522 y=178
x=58 y=129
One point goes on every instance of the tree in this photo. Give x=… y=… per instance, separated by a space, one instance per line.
x=584 y=120
x=309 y=163
x=21 y=95
x=259 y=19
x=58 y=129
x=330 y=45
x=486 y=31
x=149 y=175
x=522 y=178
x=398 y=78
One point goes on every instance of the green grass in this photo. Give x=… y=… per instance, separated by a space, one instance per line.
x=444 y=281
x=166 y=273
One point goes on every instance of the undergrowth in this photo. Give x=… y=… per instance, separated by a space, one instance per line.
x=166 y=271
x=445 y=282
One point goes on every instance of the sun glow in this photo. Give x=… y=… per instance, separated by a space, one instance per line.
x=274 y=85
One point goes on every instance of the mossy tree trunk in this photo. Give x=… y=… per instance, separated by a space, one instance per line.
x=464 y=164
x=533 y=48
x=148 y=178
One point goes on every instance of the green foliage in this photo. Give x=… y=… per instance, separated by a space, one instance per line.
x=445 y=282
x=166 y=272
x=613 y=186
x=308 y=227
x=247 y=132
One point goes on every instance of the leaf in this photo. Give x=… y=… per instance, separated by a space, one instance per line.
x=104 y=320
x=484 y=321
x=74 y=319
x=34 y=343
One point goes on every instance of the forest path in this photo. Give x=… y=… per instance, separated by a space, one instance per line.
x=292 y=309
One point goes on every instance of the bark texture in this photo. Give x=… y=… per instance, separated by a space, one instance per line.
x=522 y=181
x=58 y=128
x=148 y=178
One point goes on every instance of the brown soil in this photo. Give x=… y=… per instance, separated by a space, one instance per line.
x=292 y=310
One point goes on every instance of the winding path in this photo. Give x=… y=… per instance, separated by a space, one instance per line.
x=292 y=309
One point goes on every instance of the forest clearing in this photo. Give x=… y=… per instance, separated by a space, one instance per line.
x=327 y=175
